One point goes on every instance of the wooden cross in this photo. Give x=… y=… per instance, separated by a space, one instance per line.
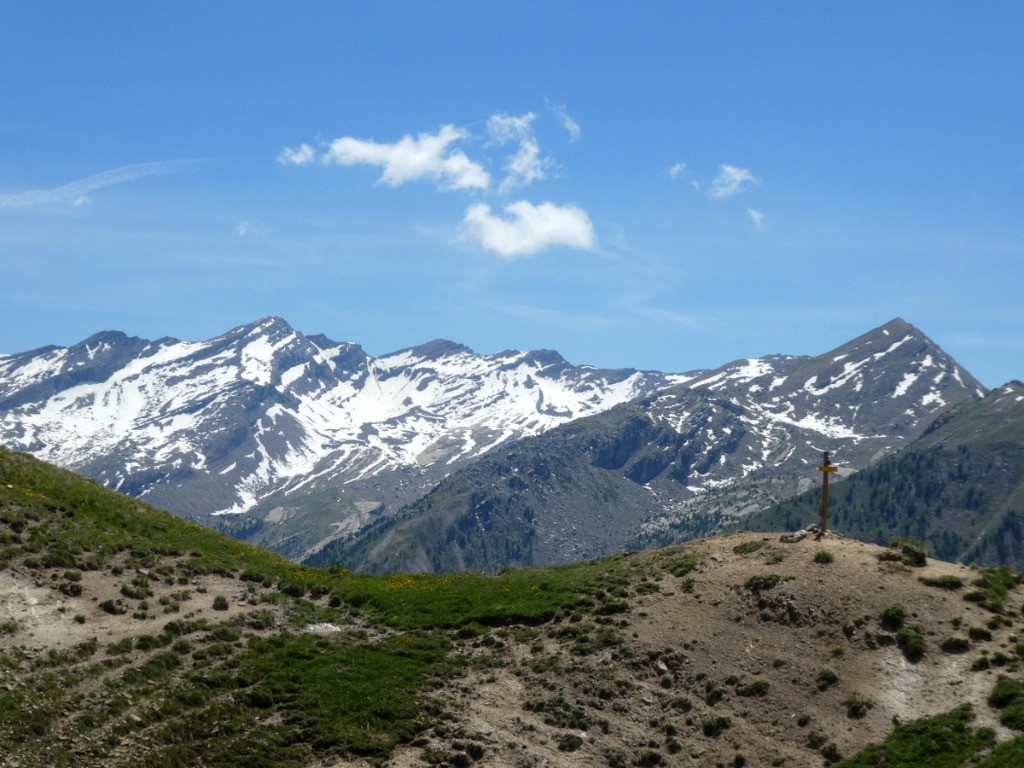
x=825 y=469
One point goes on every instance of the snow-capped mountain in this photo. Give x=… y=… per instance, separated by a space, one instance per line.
x=322 y=448
x=682 y=463
x=212 y=427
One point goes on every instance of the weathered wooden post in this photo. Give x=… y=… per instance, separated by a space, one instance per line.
x=825 y=469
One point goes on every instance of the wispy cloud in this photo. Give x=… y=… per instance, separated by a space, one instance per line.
x=570 y=125
x=527 y=229
x=77 y=192
x=503 y=129
x=756 y=216
x=245 y=229
x=303 y=154
x=526 y=166
x=554 y=316
x=638 y=305
x=426 y=156
x=731 y=181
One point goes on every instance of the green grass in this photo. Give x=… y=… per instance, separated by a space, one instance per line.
x=994 y=586
x=225 y=697
x=943 y=582
x=1009 y=754
x=943 y=741
x=358 y=699
x=748 y=547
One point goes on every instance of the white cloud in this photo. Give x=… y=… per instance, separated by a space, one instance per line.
x=676 y=170
x=756 y=216
x=503 y=129
x=300 y=155
x=524 y=167
x=731 y=181
x=570 y=125
x=77 y=192
x=245 y=229
x=527 y=228
x=408 y=159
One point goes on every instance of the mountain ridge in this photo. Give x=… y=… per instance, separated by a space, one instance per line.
x=679 y=464
x=268 y=408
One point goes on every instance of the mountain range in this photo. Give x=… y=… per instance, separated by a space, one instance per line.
x=438 y=458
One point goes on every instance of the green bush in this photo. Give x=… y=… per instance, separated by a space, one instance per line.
x=1013 y=716
x=569 y=742
x=816 y=739
x=857 y=706
x=1007 y=691
x=943 y=582
x=912 y=552
x=714 y=727
x=892 y=618
x=220 y=603
x=955 y=645
x=756 y=688
x=748 y=547
x=912 y=643
x=823 y=557
x=826 y=679
x=830 y=752
x=979 y=634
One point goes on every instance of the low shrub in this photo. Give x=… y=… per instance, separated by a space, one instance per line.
x=1006 y=691
x=714 y=727
x=857 y=706
x=826 y=679
x=759 y=584
x=756 y=688
x=912 y=643
x=747 y=547
x=955 y=645
x=943 y=582
x=892 y=618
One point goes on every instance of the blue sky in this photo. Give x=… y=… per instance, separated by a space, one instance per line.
x=663 y=185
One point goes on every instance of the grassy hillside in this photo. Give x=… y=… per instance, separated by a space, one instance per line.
x=128 y=637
